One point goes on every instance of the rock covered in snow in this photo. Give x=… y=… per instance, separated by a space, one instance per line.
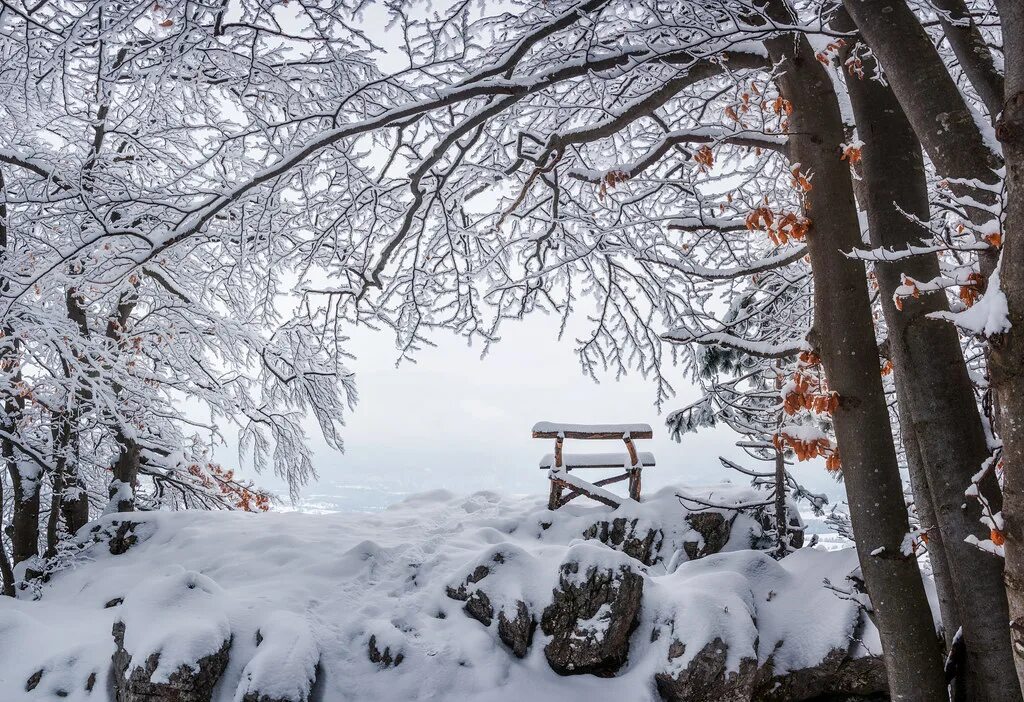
x=714 y=530
x=142 y=681
x=171 y=639
x=516 y=621
x=440 y=597
x=593 y=612
x=284 y=667
x=643 y=544
x=745 y=628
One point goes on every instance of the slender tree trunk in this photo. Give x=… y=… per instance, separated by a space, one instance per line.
x=972 y=53
x=926 y=514
x=6 y=571
x=126 y=469
x=25 y=484
x=59 y=439
x=932 y=102
x=934 y=389
x=1007 y=358
x=7 y=365
x=781 y=513
x=844 y=335
x=126 y=472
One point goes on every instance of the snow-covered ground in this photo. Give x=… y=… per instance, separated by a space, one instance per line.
x=317 y=587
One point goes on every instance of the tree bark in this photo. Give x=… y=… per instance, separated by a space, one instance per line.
x=844 y=336
x=972 y=53
x=932 y=102
x=6 y=571
x=1007 y=357
x=922 y=84
x=934 y=390
x=25 y=486
x=781 y=513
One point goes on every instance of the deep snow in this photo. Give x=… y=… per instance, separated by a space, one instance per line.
x=317 y=587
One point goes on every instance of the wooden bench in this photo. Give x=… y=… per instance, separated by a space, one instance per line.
x=558 y=464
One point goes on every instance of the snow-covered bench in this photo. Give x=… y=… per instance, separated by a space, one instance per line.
x=558 y=464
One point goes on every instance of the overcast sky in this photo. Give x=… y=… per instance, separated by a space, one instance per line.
x=456 y=421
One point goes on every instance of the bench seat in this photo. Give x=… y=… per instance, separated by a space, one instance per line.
x=555 y=430
x=576 y=461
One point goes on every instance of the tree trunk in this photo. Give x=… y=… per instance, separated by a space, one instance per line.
x=922 y=84
x=126 y=472
x=781 y=513
x=25 y=485
x=6 y=572
x=1007 y=358
x=972 y=53
x=932 y=102
x=934 y=389
x=844 y=336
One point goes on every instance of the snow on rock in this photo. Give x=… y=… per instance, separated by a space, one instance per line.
x=594 y=610
x=283 y=669
x=481 y=598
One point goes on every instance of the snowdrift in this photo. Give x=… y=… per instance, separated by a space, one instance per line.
x=441 y=597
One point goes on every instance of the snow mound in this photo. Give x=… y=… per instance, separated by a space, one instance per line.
x=374 y=606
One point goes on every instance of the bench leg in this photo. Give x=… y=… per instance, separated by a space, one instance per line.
x=634 y=484
x=555 y=497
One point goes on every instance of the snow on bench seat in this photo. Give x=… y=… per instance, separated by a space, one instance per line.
x=574 y=461
x=554 y=430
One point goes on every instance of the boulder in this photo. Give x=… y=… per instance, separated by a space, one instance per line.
x=384 y=658
x=838 y=677
x=516 y=623
x=286 y=663
x=643 y=544
x=189 y=683
x=714 y=529
x=593 y=612
x=706 y=678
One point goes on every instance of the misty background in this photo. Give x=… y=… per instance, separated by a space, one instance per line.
x=453 y=420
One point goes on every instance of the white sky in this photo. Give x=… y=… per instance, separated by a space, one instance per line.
x=456 y=421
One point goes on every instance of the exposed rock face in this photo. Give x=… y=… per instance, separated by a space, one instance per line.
x=591 y=618
x=516 y=623
x=623 y=535
x=706 y=678
x=838 y=678
x=384 y=658
x=478 y=604
x=517 y=632
x=123 y=538
x=195 y=683
x=714 y=529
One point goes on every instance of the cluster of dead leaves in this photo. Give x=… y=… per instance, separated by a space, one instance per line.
x=244 y=496
x=779 y=105
x=610 y=181
x=800 y=181
x=831 y=49
x=808 y=394
x=806 y=450
x=780 y=229
x=851 y=153
x=705 y=157
x=914 y=292
x=972 y=290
